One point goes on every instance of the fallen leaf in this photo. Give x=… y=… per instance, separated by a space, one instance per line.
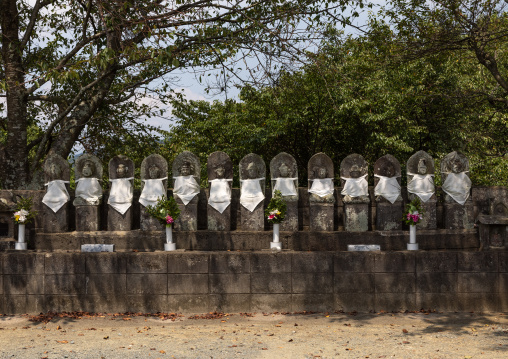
x=162 y=352
x=264 y=348
x=405 y=342
x=106 y=337
x=62 y=341
x=404 y=331
x=290 y=340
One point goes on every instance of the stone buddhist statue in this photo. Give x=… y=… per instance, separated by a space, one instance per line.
x=186 y=174
x=252 y=185
x=154 y=175
x=355 y=193
x=284 y=178
x=387 y=189
x=88 y=198
x=321 y=193
x=455 y=176
x=55 y=209
x=121 y=176
x=220 y=177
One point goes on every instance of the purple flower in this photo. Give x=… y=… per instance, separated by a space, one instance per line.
x=169 y=219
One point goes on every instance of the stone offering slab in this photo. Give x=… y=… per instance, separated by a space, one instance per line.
x=96 y=248
x=363 y=247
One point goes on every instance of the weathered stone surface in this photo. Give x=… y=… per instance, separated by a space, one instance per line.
x=230 y=263
x=273 y=283
x=312 y=302
x=187 y=164
x=441 y=262
x=435 y=282
x=321 y=209
x=363 y=247
x=353 y=262
x=14 y=284
x=477 y=261
x=153 y=167
x=64 y=283
x=188 y=284
x=56 y=168
x=87 y=166
x=389 y=216
x=321 y=216
x=354 y=283
x=454 y=162
x=188 y=263
x=62 y=263
x=356 y=217
x=394 y=262
x=87 y=218
x=284 y=166
x=106 y=263
x=96 y=248
x=230 y=302
x=396 y=302
x=307 y=262
x=278 y=262
x=147 y=263
x=252 y=167
x=229 y=283
x=219 y=167
x=147 y=283
x=120 y=167
x=457 y=216
x=395 y=282
x=106 y=284
x=349 y=302
x=353 y=166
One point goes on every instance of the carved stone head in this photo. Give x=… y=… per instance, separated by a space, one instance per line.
x=283 y=165
x=154 y=172
x=320 y=172
x=284 y=170
x=353 y=166
x=121 y=167
x=252 y=166
x=420 y=163
x=252 y=170
x=88 y=166
x=220 y=171
x=186 y=169
x=455 y=162
x=219 y=166
x=88 y=169
x=422 y=167
x=153 y=167
x=56 y=168
x=355 y=171
x=387 y=166
x=320 y=166
x=121 y=171
x=187 y=164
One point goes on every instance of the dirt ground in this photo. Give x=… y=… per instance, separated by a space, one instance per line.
x=256 y=335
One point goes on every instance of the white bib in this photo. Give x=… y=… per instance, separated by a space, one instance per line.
x=120 y=196
x=89 y=189
x=56 y=195
x=251 y=193
x=422 y=186
x=286 y=186
x=388 y=187
x=186 y=188
x=220 y=194
x=355 y=187
x=153 y=189
x=321 y=186
x=457 y=186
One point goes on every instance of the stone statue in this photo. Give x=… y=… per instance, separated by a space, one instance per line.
x=387 y=189
x=321 y=193
x=88 y=177
x=353 y=174
x=220 y=177
x=454 y=173
x=154 y=180
x=420 y=176
x=252 y=185
x=55 y=212
x=186 y=174
x=121 y=176
x=284 y=178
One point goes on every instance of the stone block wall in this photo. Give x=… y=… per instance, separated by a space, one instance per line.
x=253 y=281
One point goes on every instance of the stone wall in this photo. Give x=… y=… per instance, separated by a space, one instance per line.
x=253 y=281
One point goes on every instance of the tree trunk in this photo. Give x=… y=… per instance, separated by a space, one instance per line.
x=14 y=161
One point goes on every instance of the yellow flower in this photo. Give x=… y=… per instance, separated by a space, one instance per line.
x=278 y=212
x=16 y=217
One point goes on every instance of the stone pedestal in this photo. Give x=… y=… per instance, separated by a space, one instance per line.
x=87 y=218
x=255 y=220
x=389 y=216
x=321 y=217
x=55 y=222
x=218 y=221
x=457 y=216
x=356 y=217
x=429 y=220
x=493 y=231
x=119 y=222
x=147 y=222
x=290 y=222
x=188 y=219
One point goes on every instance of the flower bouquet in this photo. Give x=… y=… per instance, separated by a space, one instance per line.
x=275 y=213
x=413 y=215
x=166 y=211
x=23 y=215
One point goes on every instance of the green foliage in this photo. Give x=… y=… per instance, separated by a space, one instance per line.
x=414 y=212
x=24 y=213
x=275 y=212
x=166 y=211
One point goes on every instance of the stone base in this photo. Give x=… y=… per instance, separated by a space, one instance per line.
x=88 y=218
x=389 y=216
x=55 y=222
x=218 y=221
x=321 y=217
x=429 y=220
x=356 y=217
x=457 y=216
x=290 y=222
x=253 y=221
x=493 y=231
x=20 y=246
x=188 y=220
x=119 y=222
x=147 y=222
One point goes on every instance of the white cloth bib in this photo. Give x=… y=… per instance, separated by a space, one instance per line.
x=388 y=187
x=120 y=197
x=355 y=187
x=457 y=186
x=286 y=186
x=186 y=188
x=153 y=189
x=56 y=195
x=422 y=186
x=220 y=194
x=89 y=189
x=321 y=186
x=251 y=193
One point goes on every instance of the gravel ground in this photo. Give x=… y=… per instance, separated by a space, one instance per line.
x=258 y=335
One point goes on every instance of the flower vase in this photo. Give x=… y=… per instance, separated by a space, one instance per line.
x=276 y=245
x=21 y=244
x=169 y=245
x=412 y=245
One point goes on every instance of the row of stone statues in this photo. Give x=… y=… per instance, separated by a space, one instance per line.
x=252 y=169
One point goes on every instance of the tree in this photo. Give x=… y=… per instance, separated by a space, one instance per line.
x=72 y=68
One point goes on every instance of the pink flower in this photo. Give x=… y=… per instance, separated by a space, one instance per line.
x=408 y=216
x=169 y=219
x=272 y=216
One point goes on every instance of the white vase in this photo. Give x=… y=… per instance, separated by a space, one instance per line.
x=276 y=245
x=412 y=245
x=21 y=244
x=169 y=245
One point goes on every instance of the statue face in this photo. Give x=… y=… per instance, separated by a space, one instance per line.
x=321 y=173
x=219 y=172
x=284 y=170
x=88 y=169
x=354 y=172
x=422 y=168
x=121 y=171
x=457 y=166
x=390 y=171
x=55 y=171
x=252 y=170
x=185 y=170
x=154 y=172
